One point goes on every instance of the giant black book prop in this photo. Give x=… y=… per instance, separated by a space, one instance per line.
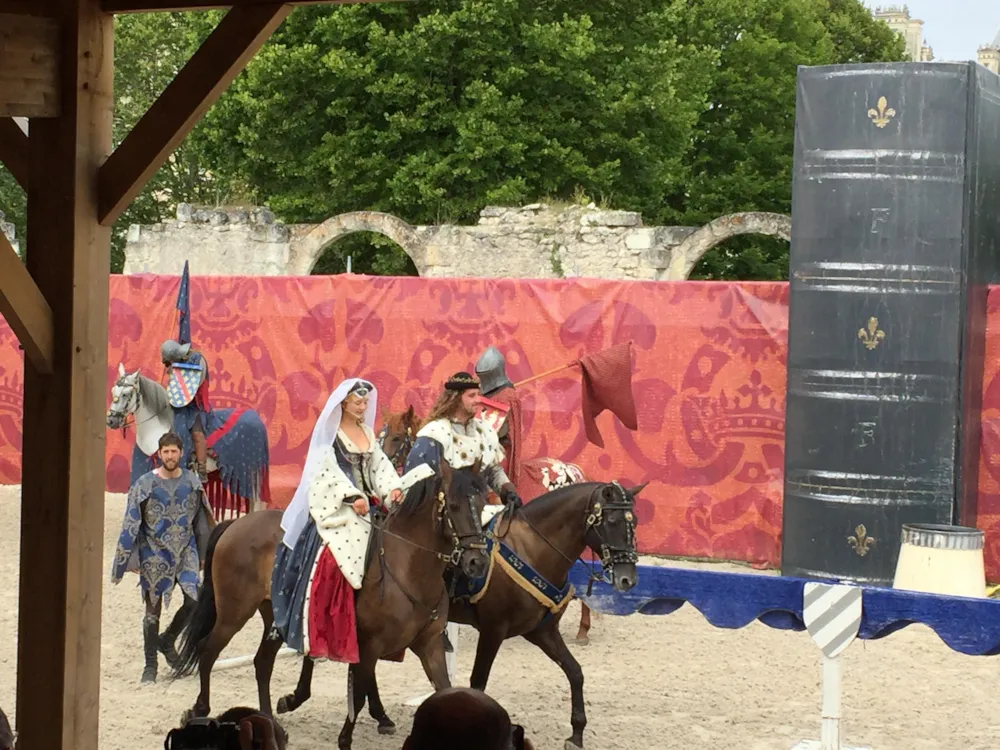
x=895 y=218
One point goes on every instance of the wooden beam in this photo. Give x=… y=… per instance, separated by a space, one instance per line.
x=24 y=308
x=29 y=66
x=14 y=150
x=196 y=88
x=41 y=8
x=149 y=6
x=62 y=491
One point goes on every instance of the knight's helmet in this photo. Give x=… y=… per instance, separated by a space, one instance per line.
x=171 y=351
x=491 y=371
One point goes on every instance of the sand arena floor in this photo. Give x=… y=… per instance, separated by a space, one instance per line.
x=650 y=682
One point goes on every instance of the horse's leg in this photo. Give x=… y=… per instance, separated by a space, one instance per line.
x=486 y=652
x=377 y=710
x=430 y=650
x=303 y=691
x=263 y=662
x=582 y=636
x=218 y=639
x=550 y=641
x=361 y=674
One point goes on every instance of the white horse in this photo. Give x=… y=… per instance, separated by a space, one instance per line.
x=238 y=456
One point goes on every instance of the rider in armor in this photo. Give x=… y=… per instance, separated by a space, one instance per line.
x=320 y=563
x=496 y=386
x=454 y=432
x=187 y=391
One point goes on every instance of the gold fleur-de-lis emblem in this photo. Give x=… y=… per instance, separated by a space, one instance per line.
x=873 y=335
x=883 y=114
x=860 y=541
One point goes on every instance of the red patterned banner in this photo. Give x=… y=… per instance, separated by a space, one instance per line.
x=709 y=381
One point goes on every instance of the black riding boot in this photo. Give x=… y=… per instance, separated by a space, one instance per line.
x=167 y=641
x=150 y=637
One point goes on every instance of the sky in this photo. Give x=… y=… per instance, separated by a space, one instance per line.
x=953 y=28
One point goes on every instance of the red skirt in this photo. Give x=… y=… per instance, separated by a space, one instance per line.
x=333 y=624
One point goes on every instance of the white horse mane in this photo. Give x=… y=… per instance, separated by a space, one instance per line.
x=154 y=417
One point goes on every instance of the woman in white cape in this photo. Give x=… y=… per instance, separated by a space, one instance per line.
x=320 y=564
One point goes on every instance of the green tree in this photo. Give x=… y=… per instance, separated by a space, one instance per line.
x=433 y=109
x=742 y=155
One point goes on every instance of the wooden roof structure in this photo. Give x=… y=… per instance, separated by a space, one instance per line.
x=56 y=68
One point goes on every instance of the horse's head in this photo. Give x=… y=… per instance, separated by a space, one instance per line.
x=462 y=499
x=124 y=398
x=611 y=532
x=397 y=435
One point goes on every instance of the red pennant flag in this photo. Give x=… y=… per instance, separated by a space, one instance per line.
x=607 y=384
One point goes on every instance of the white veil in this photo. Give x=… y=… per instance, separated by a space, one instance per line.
x=324 y=433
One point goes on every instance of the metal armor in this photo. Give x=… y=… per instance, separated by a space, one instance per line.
x=492 y=372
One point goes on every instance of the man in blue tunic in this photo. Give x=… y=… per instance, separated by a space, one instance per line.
x=164 y=536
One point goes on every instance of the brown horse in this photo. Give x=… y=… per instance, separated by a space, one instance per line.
x=402 y=602
x=550 y=533
x=396 y=437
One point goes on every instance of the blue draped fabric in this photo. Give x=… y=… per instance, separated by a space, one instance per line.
x=243 y=452
x=425 y=451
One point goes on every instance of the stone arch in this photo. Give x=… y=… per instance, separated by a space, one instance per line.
x=307 y=250
x=686 y=255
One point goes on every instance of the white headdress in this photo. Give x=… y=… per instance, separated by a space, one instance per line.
x=324 y=433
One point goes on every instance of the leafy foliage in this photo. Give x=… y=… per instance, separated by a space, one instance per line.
x=680 y=109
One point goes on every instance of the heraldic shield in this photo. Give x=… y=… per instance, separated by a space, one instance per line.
x=185 y=379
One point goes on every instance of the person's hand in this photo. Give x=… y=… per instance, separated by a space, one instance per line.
x=360 y=506
x=264 y=728
x=395 y=496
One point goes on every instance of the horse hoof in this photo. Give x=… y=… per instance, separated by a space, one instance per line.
x=283 y=707
x=386 y=727
x=571 y=745
x=582 y=640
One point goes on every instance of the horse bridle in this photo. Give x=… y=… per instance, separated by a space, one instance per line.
x=398 y=457
x=443 y=517
x=595 y=524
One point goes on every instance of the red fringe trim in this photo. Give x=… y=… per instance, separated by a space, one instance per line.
x=224 y=501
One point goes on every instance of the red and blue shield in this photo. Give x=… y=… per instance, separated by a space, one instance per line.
x=183 y=385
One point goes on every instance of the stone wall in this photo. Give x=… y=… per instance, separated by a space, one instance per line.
x=536 y=241
x=8 y=231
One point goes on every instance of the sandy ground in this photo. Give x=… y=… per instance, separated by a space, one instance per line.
x=651 y=681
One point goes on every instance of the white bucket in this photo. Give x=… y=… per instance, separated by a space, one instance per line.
x=942 y=559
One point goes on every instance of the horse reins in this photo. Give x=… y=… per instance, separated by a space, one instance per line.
x=443 y=517
x=594 y=522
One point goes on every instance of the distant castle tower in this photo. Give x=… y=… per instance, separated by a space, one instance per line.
x=989 y=55
x=911 y=29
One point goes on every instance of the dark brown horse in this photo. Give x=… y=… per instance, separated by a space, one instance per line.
x=396 y=437
x=402 y=602
x=550 y=533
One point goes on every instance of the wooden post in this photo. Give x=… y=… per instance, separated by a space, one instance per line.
x=62 y=496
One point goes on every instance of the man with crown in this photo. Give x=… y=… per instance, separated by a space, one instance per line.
x=456 y=434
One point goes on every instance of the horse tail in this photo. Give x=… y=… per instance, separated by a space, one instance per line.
x=199 y=625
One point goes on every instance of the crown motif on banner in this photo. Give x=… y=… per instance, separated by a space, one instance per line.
x=752 y=412
x=230 y=393
x=11 y=394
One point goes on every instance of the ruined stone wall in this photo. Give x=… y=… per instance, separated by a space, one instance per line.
x=536 y=241
x=8 y=231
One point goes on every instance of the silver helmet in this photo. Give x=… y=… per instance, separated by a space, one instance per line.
x=171 y=351
x=492 y=372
